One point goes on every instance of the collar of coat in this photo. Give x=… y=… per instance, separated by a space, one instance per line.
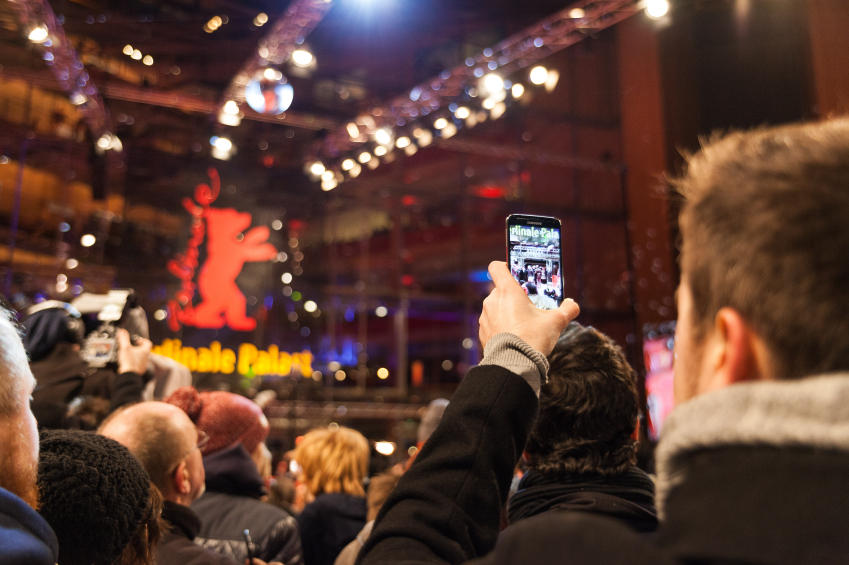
x=809 y=412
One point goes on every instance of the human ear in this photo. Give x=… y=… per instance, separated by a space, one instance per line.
x=181 y=478
x=733 y=353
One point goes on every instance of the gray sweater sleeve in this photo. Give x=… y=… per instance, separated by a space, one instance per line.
x=512 y=353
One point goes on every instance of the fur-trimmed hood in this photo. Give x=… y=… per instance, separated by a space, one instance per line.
x=811 y=412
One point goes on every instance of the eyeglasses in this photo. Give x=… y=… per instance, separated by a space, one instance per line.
x=203 y=439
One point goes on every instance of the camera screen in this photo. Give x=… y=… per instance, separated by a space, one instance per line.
x=534 y=259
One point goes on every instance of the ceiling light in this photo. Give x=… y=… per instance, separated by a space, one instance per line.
x=148 y=60
x=317 y=168
x=78 y=98
x=353 y=130
x=402 y=142
x=38 y=34
x=518 y=90
x=223 y=144
x=87 y=240
x=231 y=107
x=310 y=306
x=286 y=278
x=656 y=9
x=380 y=151
x=104 y=140
x=329 y=184
x=364 y=157
x=386 y=448
x=302 y=58
x=449 y=131
x=137 y=55
x=382 y=373
x=348 y=164
x=489 y=104
x=383 y=136
x=498 y=110
x=128 y=49
x=355 y=170
x=425 y=138
x=462 y=113
x=493 y=83
x=261 y=19
x=539 y=75
x=440 y=123
x=327 y=175
x=577 y=13
x=381 y=311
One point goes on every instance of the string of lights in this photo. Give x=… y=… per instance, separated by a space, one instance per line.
x=45 y=31
x=475 y=90
x=284 y=39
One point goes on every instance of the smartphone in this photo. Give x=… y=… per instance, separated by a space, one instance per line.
x=249 y=543
x=535 y=258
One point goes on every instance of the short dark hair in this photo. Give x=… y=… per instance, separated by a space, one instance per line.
x=532 y=288
x=588 y=409
x=764 y=231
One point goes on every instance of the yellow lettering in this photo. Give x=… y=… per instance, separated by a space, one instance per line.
x=247 y=355
x=189 y=358
x=296 y=364
x=216 y=356
x=204 y=360
x=306 y=363
x=175 y=353
x=285 y=365
x=228 y=361
x=263 y=363
x=274 y=355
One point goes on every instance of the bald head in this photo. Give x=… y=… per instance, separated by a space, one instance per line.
x=158 y=434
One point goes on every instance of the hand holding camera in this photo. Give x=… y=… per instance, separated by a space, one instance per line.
x=133 y=357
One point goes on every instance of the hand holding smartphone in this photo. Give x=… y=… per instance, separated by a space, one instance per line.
x=535 y=258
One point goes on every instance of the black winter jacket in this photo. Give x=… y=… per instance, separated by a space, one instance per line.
x=25 y=537
x=178 y=547
x=736 y=484
x=231 y=505
x=328 y=524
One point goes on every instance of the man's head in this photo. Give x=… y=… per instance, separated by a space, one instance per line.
x=165 y=441
x=765 y=258
x=18 y=432
x=588 y=409
x=532 y=288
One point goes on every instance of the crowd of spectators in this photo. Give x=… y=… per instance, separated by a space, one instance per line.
x=534 y=458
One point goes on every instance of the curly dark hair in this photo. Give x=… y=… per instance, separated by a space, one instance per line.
x=588 y=409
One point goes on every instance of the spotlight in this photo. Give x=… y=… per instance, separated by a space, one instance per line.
x=38 y=34
x=105 y=140
x=498 y=110
x=348 y=164
x=425 y=138
x=286 y=278
x=462 y=113
x=302 y=58
x=137 y=55
x=493 y=83
x=518 y=90
x=310 y=306
x=402 y=142
x=78 y=98
x=148 y=60
x=329 y=184
x=449 y=131
x=489 y=104
x=576 y=13
x=364 y=157
x=656 y=9
x=272 y=74
x=383 y=136
x=231 y=107
x=386 y=448
x=87 y=240
x=380 y=151
x=223 y=144
x=440 y=123
x=160 y=314
x=539 y=75
x=382 y=373
x=261 y=19
x=327 y=175
x=411 y=149
x=317 y=169
x=355 y=170
x=353 y=130
x=381 y=311
x=128 y=49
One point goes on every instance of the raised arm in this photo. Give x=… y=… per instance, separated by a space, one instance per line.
x=446 y=508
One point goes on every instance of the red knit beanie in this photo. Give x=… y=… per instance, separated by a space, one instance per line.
x=226 y=418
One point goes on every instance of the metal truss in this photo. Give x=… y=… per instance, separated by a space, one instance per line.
x=275 y=48
x=64 y=63
x=565 y=28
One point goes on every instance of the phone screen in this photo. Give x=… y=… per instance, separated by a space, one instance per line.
x=535 y=258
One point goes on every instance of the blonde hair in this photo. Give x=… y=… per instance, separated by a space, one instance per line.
x=334 y=460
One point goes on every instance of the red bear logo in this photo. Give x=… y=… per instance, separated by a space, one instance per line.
x=227 y=251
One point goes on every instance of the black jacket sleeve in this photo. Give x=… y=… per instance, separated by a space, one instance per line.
x=127 y=388
x=447 y=507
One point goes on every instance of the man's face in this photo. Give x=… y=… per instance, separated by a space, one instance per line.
x=19 y=469
x=688 y=353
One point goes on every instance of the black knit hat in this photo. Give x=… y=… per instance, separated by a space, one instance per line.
x=93 y=493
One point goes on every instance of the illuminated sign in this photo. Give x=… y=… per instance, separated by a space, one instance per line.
x=248 y=360
x=228 y=248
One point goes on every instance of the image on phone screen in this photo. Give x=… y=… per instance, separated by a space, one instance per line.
x=535 y=258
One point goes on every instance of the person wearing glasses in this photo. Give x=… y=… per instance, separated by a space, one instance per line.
x=168 y=445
